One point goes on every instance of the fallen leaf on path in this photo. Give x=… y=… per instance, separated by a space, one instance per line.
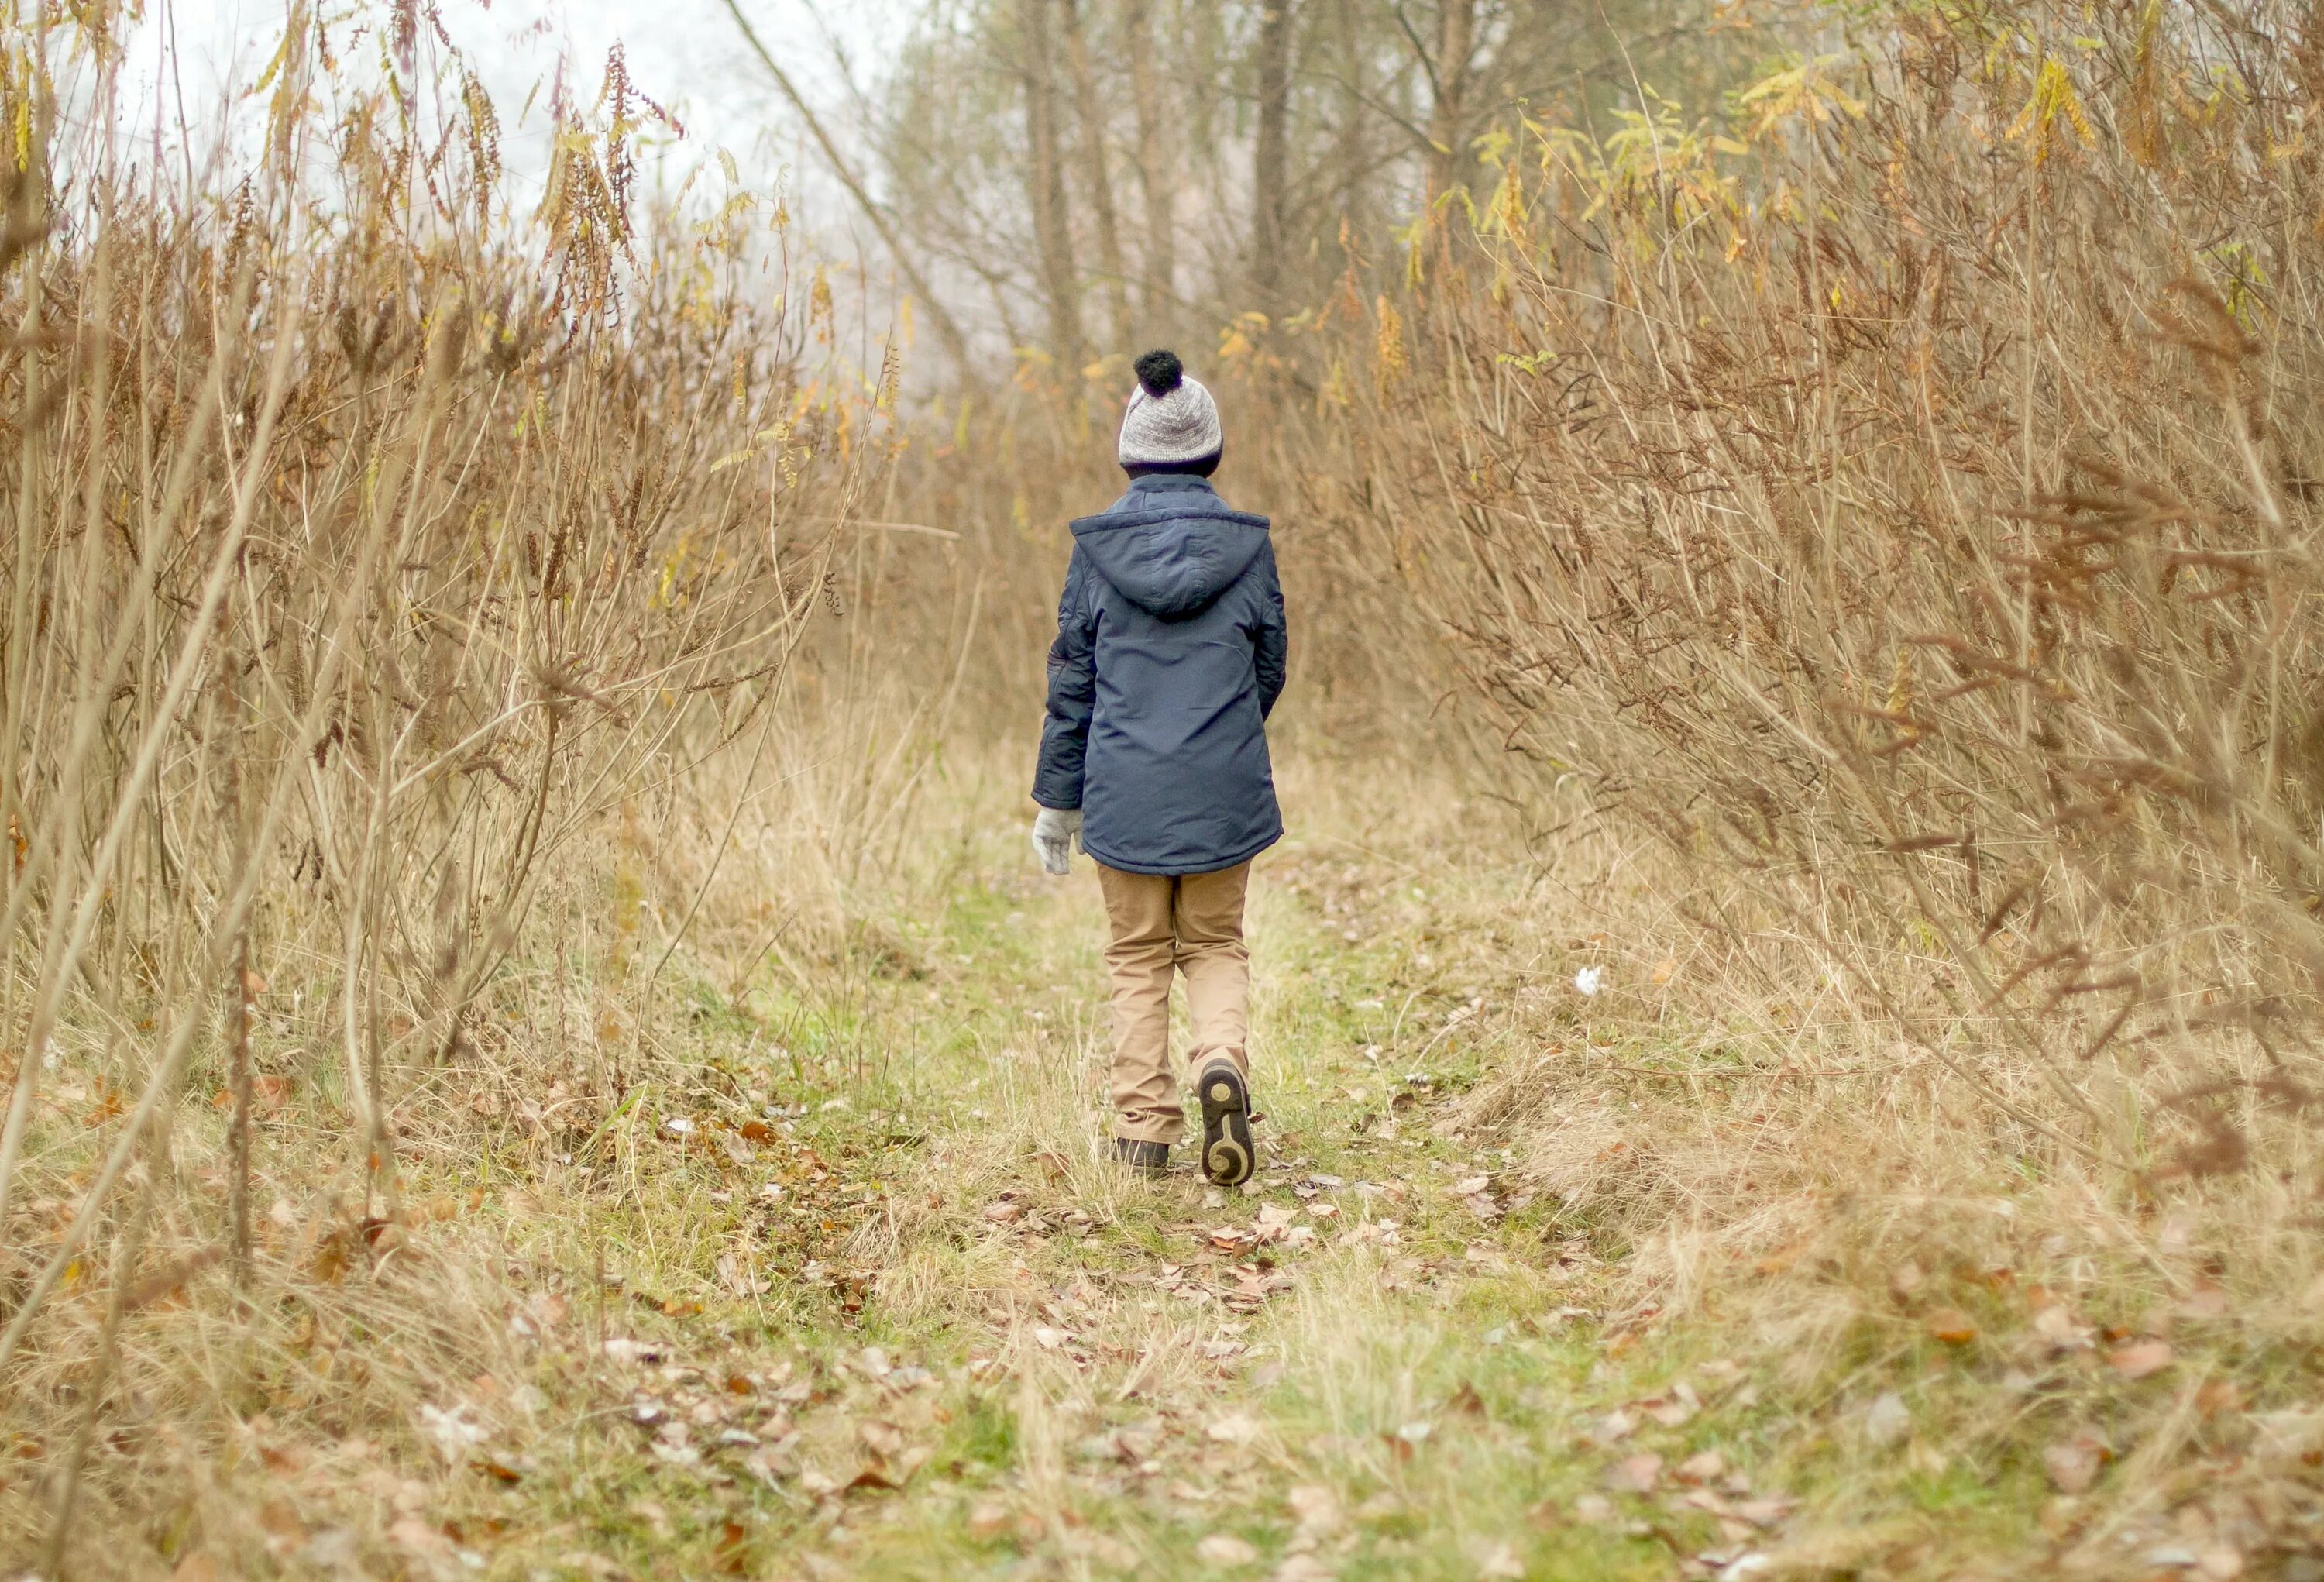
x=1470 y=1186
x=1706 y=1467
x=1674 y=1410
x=1004 y=1212
x=420 y=1539
x=2218 y=1397
x=1635 y=1474
x=1316 y=1509
x=1235 y=1429
x=2139 y=1358
x=1951 y=1326
x=2073 y=1464
x=1501 y=1564
x=455 y=1433
x=1887 y=1421
x=2207 y=1301
x=1224 y=1549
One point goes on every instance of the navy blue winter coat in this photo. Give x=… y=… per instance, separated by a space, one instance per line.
x=1170 y=657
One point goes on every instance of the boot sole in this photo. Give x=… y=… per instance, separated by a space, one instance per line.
x=1228 y=1156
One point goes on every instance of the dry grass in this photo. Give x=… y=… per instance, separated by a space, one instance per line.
x=466 y=724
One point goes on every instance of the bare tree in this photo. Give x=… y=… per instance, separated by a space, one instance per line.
x=1090 y=109
x=1449 y=77
x=1158 y=257
x=1044 y=178
x=1271 y=160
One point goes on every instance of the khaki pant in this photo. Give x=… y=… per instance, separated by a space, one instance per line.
x=1191 y=923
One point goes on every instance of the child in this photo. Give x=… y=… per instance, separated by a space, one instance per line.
x=1169 y=656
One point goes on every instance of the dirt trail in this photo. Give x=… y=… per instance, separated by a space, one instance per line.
x=981 y=1350
x=842 y=1287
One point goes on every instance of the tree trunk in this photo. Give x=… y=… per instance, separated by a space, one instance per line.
x=1053 y=231
x=1091 y=110
x=1351 y=148
x=1456 y=42
x=1270 y=173
x=1158 y=257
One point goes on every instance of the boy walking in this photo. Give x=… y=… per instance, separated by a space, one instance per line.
x=1170 y=657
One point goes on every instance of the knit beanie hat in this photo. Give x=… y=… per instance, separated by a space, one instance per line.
x=1171 y=417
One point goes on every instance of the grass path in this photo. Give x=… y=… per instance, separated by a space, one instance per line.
x=874 y=1307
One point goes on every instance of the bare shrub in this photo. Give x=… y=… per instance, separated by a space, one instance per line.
x=401 y=612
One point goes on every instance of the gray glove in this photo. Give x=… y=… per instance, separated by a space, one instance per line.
x=1056 y=831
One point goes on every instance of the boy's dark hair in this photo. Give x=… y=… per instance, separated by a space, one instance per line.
x=1202 y=467
x=1160 y=371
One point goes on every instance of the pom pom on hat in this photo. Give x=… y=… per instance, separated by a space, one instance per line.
x=1160 y=372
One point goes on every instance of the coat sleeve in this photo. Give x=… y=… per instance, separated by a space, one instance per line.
x=1073 y=694
x=1271 y=635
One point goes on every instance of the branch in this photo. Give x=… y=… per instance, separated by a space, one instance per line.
x=947 y=328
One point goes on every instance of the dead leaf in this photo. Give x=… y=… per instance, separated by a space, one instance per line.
x=1224 y=1549
x=169 y=1281
x=1665 y=970
x=1234 y=1428
x=1635 y=1474
x=2073 y=1464
x=2207 y=1299
x=880 y=1436
x=2140 y=1358
x=1905 y=1279
x=419 y=1538
x=988 y=1518
x=1951 y=1326
x=1004 y=1212
x=2218 y=1397
x=1316 y=1509
x=1704 y=1466
x=1501 y=1563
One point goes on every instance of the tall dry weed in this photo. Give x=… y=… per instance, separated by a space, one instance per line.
x=411 y=607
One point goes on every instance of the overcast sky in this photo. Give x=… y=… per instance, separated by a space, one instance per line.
x=687 y=54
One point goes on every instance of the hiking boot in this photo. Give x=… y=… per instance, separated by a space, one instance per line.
x=1147 y=1159
x=1228 y=1156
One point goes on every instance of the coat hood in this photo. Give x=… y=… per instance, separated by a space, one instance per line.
x=1171 y=545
